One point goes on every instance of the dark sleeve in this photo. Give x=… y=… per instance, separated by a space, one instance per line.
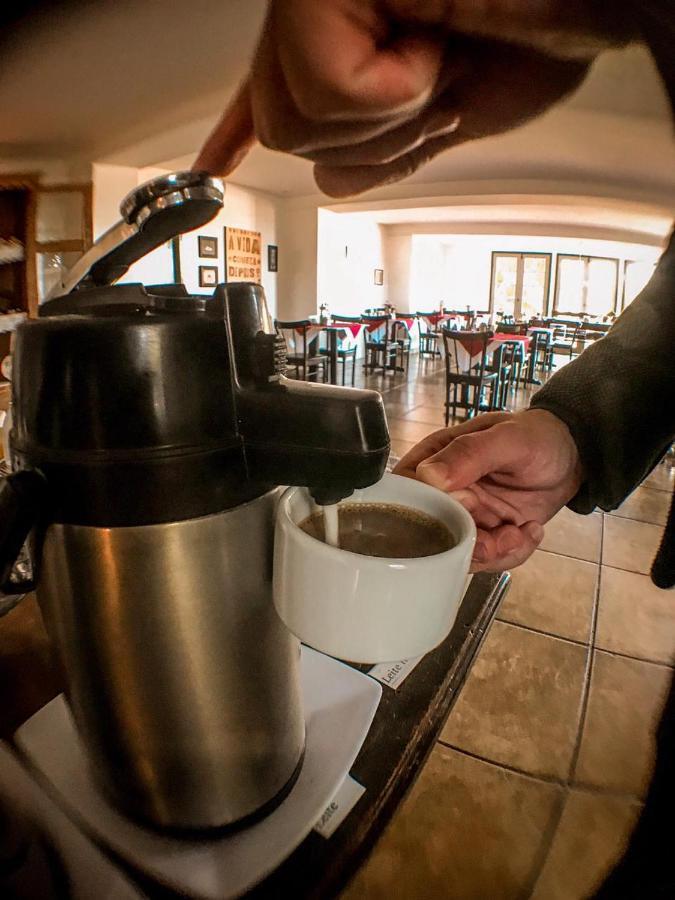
x=618 y=397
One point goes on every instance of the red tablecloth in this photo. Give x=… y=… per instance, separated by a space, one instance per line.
x=470 y=343
x=470 y=346
x=521 y=338
x=435 y=319
x=354 y=327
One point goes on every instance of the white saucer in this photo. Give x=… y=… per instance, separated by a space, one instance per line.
x=340 y=703
x=90 y=872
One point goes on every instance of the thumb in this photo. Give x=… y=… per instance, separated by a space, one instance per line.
x=471 y=457
x=231 y=139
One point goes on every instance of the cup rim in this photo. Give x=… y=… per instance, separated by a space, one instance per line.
x=468 y=535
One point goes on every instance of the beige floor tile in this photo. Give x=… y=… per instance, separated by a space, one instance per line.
x=402 y=430
x=635 y=617
x=552 y=593
x=592 y=835
x=468 y=830
x=645 y=505
x=521 y=703
x=662 y=478
x=630 y=545
x=573 y=535
x=395 y=409
x=625 y=702
x=400 y=448
x=433 y=416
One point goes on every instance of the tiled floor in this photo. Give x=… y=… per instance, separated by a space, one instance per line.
x=538 y=776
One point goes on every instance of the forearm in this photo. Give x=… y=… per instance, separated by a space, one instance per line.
x=618 y=398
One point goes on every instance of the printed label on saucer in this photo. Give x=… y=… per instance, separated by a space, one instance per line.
x=344 y=801
x=394 y=674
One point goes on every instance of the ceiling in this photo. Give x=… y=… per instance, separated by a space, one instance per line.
x=141 y=84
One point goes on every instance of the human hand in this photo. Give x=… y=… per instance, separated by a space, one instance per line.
x=369 y=90
x=511 y=471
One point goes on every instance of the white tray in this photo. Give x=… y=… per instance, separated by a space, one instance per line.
x=340 y=703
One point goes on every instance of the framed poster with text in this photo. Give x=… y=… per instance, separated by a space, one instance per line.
x=242 y=255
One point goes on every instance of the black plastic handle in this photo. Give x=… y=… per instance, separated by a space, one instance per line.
x=22 y=503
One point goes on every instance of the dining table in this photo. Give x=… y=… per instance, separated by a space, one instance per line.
x=470 y=346
x=434 y=320
x=335 y=331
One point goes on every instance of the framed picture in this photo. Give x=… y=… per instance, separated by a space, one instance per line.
x=208 y=276
x=272 y=258
x=379 y=276
x=208 y=247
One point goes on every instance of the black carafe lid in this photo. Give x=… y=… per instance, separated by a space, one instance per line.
x=125 y=401
x=142 y=406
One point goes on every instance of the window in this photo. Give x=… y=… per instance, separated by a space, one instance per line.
x=520 y=284
x=585 y=285
x=635 y=277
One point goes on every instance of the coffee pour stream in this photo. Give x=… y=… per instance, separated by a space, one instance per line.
x=150 y=430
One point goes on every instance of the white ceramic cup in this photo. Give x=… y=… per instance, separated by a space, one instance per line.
x=365 y=608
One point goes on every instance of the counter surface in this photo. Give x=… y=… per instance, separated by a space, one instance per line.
x=406 y=725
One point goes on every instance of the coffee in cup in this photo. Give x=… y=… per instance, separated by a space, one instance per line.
x=383 y=530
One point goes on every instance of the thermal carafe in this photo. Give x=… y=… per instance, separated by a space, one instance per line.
x=150 y=431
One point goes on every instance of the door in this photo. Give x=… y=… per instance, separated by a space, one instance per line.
x=520 y=284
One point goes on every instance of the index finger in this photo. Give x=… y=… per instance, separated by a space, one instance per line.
x=431 y=445
x=231 y=139
x=438 y=440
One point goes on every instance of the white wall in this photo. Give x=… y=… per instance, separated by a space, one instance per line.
x=396 y=252
x=298 y=236
x=349 y=251
x=243 y=208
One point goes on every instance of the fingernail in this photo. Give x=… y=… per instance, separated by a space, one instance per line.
x=435 y=474
x=480 y=552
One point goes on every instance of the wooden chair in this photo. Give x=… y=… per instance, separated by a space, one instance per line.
x=504 y=364
x=540 y=344
x=380 y=352
x=471 y=383
x=346 y=349
x=429 y=337
x=399 y=337
x=564 y=343
x=302 y=348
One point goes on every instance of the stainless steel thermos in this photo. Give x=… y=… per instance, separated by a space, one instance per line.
x=150 y=431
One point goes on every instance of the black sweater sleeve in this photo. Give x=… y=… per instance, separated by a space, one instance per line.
x=618 y=397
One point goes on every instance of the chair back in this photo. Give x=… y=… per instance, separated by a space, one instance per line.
x=337 y=317
x=564 y=330
x=377 y=328
x=516 y=351
x=296 y=336
x=398 y=331
x=465 y=351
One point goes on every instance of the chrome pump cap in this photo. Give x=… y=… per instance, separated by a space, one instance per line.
x=153 y=213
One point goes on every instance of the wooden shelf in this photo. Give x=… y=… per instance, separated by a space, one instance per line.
x=18 y=283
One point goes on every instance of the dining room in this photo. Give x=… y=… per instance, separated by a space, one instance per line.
x=510 y=760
